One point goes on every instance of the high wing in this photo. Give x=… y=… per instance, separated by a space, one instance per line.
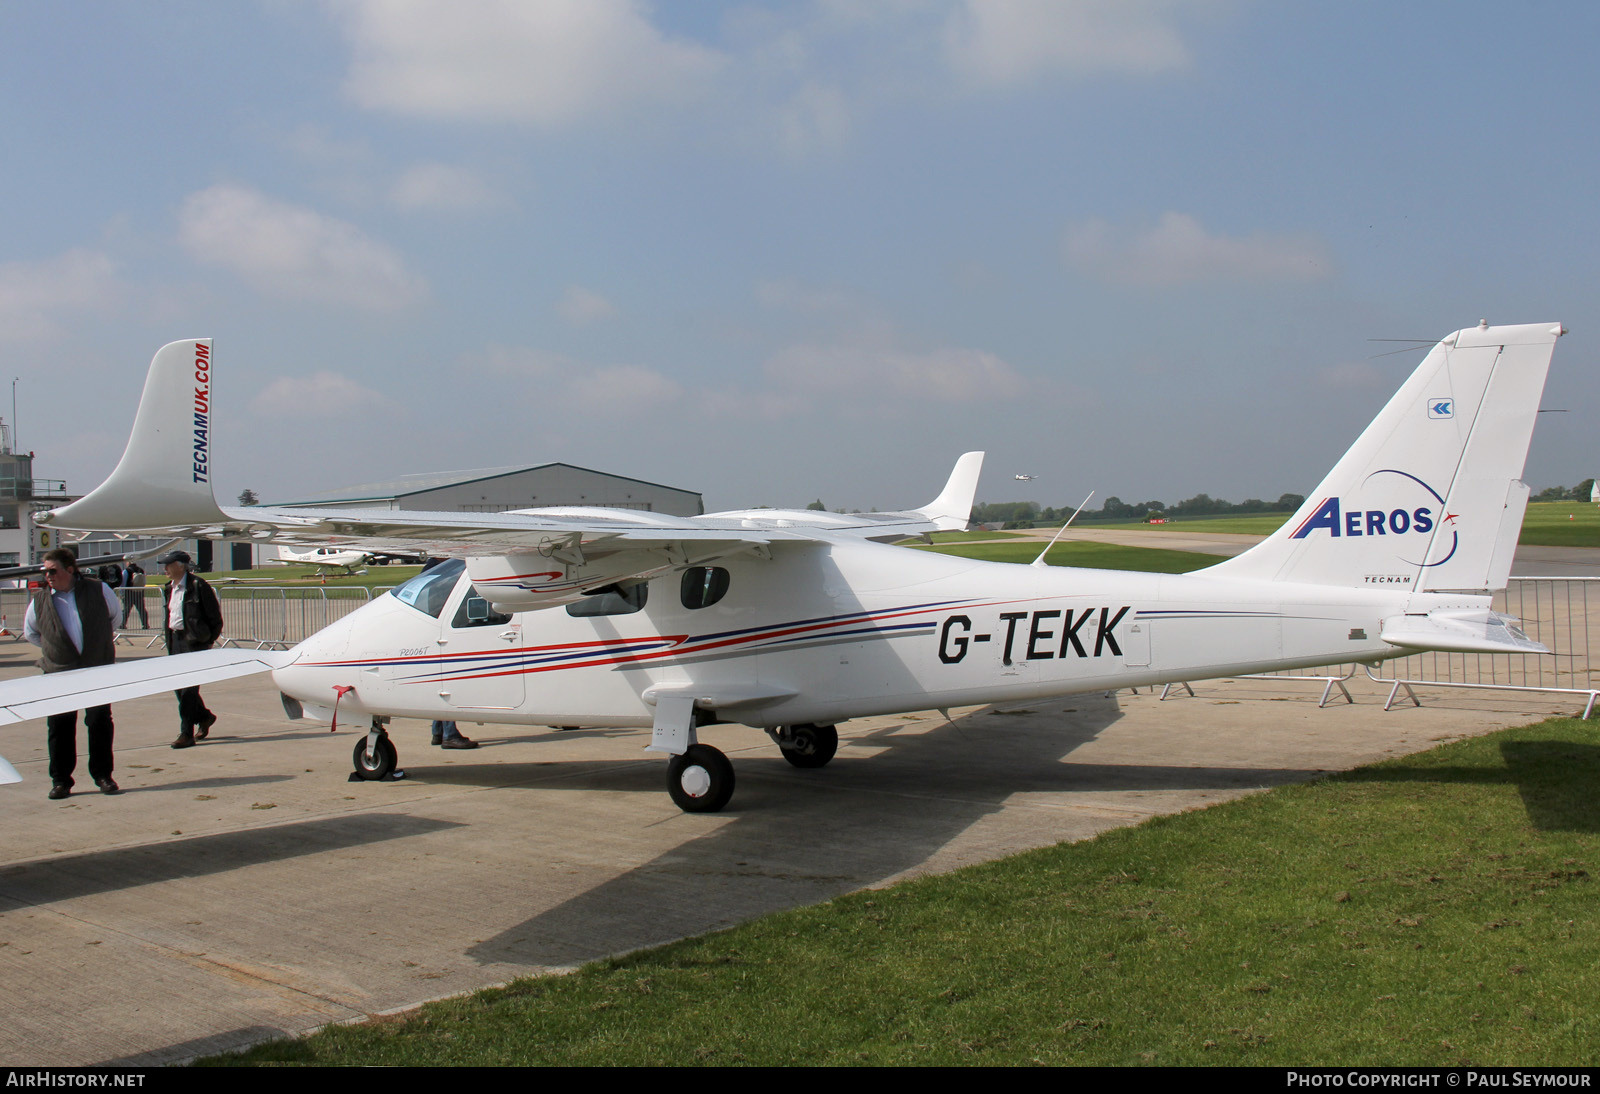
x=88 y=564
x=78 y=689
x=522 y=560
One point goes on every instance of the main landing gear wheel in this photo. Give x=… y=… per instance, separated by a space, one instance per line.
x=809 y=745
x=700 y=780
x=380 y=763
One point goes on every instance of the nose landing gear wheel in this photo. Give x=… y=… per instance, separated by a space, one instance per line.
x=379 y=764
x=700 y=780
x=809 y=745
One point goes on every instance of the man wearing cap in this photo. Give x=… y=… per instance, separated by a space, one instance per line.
x=72 y=621
x=194 y=621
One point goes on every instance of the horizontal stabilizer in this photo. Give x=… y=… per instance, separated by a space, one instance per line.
x=58 y=692
x=1460 y=631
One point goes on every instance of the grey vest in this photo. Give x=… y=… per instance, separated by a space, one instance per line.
x=59 y=652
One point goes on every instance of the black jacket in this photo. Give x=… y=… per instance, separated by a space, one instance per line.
x=202 y=615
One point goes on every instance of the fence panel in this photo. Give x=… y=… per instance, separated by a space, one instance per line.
x=1559 y=612
x=254 y=617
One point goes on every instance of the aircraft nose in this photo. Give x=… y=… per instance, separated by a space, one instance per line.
x=310 y=676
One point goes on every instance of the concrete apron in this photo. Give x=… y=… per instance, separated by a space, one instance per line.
x=244 y=889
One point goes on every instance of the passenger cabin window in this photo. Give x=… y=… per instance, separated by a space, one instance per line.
x=703 y=586
x=475 y=611
x=611 y=600
x=428 y=591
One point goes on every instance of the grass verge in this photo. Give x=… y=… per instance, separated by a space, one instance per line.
x=1433 y=910
x=1094 y=556
x=963 y=537
x=1561 y=524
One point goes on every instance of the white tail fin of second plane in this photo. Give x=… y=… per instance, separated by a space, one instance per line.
x=952 y=509
x=1430 y=496
x=164 y=477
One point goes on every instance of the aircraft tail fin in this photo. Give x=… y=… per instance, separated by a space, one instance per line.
x=952 y=509
x=1430 y=496
x=164 y=477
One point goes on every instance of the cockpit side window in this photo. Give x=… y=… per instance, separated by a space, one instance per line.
x=703 y=586
x=428 y=591
x=612 y=600
x=475 y=611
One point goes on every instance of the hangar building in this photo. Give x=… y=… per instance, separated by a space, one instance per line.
x=497 y=489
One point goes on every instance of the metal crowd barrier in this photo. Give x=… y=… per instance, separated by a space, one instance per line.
x=1560 y=612
x=253 y=617
x=1557 y=611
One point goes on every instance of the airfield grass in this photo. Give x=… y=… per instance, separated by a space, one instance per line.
x=1546 y=524
x=1260 y=524
x=1433 y=910
x=1094 y=556
x=963 y=537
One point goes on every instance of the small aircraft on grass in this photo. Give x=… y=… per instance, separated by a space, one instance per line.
x=343 y=558
x=323 y=558
x=793 y=621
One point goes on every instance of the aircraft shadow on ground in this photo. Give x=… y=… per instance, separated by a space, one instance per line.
x=796 y=837
x=231 y=1041
x=1554 y=778
x=69 y=876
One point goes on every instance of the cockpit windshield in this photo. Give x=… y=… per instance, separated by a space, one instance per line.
x=428 y=591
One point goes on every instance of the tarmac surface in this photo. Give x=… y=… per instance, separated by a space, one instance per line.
x=244 y=889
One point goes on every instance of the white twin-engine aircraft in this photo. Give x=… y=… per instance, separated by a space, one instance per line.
x=793 y=621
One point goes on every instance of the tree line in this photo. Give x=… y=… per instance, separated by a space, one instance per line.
x=1561 y=493
x=1115 y=509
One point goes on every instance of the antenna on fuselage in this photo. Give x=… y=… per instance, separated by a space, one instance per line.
x=1040 y=560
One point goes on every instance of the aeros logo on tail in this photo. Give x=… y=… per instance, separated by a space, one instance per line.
x=1348 y=521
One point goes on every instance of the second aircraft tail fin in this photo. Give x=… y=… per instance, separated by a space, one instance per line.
x=164 y=477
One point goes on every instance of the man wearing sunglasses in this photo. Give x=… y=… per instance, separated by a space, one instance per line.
x=73 y=622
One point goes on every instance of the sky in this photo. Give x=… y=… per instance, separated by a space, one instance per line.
x=777 y=252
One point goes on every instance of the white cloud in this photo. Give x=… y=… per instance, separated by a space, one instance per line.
x=293 y=252
x=443 y=187
x=718 y=404
x=805 y=299
x=863 y=358
x=581 y=307
x=550 y=63
x=621 y=389
x=320 y=395
x=35 y=296
x=816 y=117
x=1180 y=250
x=567 y=387
x=1001 y=42
x=523 y=362
x=947 y=375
